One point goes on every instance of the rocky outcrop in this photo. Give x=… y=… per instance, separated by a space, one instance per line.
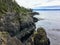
x=6 y=39
x=17 y=24
x=19 y=27
x=38 y=38
x=41 y=38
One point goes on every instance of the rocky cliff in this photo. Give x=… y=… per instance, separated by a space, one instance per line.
x=17 y=24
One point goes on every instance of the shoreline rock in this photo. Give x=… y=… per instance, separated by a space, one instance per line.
x=38 y=38
x=17 y=23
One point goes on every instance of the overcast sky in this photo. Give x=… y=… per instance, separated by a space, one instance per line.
x=37 y=3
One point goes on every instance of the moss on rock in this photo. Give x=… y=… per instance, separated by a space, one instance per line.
x=39 y=37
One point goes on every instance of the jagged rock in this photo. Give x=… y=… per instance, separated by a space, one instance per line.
x=4 y=36
x=5 y=39
x=10 y=23
x=35 y=19
x=14 y=41
x=17 y=25
x=38 y=38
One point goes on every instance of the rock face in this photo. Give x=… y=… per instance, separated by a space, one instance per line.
x=10 y=23
x=6 y=39
x=17 y=24
x=39 y=38
x=20 y=27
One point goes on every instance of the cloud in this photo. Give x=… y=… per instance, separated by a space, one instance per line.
x=47 y=8
x=37 y=3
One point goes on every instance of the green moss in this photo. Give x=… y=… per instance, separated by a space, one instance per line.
x=9 y=5
x=41 y=31
x=40 y=37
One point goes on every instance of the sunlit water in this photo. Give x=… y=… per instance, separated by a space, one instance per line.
x=51 y=24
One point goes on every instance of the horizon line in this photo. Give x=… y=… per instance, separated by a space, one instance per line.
x=46 y=9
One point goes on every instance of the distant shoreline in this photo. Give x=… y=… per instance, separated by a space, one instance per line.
x=46 y=9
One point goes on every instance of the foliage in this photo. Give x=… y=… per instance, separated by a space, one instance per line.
x=10 y=5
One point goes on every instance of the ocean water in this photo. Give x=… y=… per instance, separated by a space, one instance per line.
x=51 y=23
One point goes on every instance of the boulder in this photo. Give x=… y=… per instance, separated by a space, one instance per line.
x=41 y=38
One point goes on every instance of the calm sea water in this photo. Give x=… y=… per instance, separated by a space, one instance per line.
x=51 y=24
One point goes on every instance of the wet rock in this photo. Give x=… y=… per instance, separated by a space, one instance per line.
x=35 y=19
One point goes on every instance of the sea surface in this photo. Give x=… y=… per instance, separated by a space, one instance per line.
x=51 y=23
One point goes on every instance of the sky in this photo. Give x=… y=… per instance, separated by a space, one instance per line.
x=37 y=3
